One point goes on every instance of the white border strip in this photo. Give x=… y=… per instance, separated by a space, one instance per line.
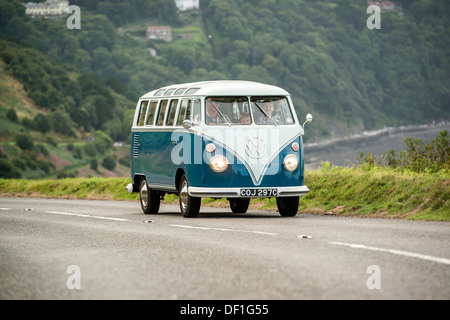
x=85 y=216
x=398 y=252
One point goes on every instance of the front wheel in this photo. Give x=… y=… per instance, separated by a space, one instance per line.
x=190 y=206
x=149 y=198
x=288 y=206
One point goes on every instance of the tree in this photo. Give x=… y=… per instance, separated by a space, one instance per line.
x=42 y=123
x=102 y=142
x=94 y=164
x=12 y=115
x=8 y=170
x=109 y=162
x=62 y=123
x=24 y=141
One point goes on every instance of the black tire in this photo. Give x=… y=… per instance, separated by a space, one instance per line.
x=239 y=205
x=288 y=206
x=149 y=198
x=189 y=206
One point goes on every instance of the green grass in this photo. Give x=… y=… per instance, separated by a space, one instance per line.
x=71 y=188
x=378 y=192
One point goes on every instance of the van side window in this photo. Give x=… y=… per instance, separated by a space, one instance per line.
x=180 y=91
x=151 y=113
x=192 y=91
x=185 y=112
x=160 y=92
x=172 y=111
x=169 y=92
x=142 y=113
x=197 y=112
x=162 y=112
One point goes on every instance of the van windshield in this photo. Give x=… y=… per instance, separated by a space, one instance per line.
x=271 y=111
x=227 y=111
x=237 y=111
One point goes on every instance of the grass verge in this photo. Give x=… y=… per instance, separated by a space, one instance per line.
x=375 y=192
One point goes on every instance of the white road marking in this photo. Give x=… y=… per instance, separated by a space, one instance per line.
x=6 y=209
x=223 y=229
x=86 y=216
x=398 y=252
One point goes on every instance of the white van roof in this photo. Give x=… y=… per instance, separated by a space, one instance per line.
x=218 y=88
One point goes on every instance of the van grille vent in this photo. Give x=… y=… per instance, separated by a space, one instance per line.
x=136 y=144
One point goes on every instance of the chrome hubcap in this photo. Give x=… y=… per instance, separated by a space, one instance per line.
x=144 y=194
x=184 y=195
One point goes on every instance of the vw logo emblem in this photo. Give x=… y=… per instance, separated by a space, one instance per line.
x=256 y=147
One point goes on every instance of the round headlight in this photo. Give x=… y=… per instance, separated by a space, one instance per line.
x=290 y=162
x=218 y=163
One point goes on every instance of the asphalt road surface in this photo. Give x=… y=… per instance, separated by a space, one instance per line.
x=76 y=249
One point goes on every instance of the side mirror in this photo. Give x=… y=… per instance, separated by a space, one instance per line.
x=187 y=124
x=309 y=118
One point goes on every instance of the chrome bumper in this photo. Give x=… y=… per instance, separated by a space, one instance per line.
x=235 y=192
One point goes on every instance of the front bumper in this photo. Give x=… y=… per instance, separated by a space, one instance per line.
x=236 y=192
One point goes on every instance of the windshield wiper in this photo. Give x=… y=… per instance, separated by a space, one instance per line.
x=221 y=114
x=265 y=114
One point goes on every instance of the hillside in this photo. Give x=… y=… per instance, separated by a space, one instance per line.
x=62 y=87
x=41 y=142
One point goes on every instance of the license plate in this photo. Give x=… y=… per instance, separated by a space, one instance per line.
x=260 y=192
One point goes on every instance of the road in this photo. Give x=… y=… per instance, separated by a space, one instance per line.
x=80 y=249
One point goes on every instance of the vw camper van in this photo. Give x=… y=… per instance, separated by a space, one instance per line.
x=217 y=139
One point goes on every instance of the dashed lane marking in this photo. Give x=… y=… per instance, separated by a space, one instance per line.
x=86 y=216
x=224 y=229
x=398 y=252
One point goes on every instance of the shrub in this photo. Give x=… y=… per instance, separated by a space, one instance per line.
x=51 y=141
x=12 y=115
x=94 y=164
x=77 y=152
x=90 y=149
x=24 y=141
x=125 y=160
x=42 y=123
x=109 y=162
x=416 y=157
x=8 y=170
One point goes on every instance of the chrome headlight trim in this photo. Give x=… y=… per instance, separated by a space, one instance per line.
x=218 y=163
x=290 y=162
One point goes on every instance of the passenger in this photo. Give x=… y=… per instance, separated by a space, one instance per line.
x=268 y=108
x=213 y=115
x=245 y=119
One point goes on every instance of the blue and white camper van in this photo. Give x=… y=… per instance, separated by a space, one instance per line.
x=217 y=139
